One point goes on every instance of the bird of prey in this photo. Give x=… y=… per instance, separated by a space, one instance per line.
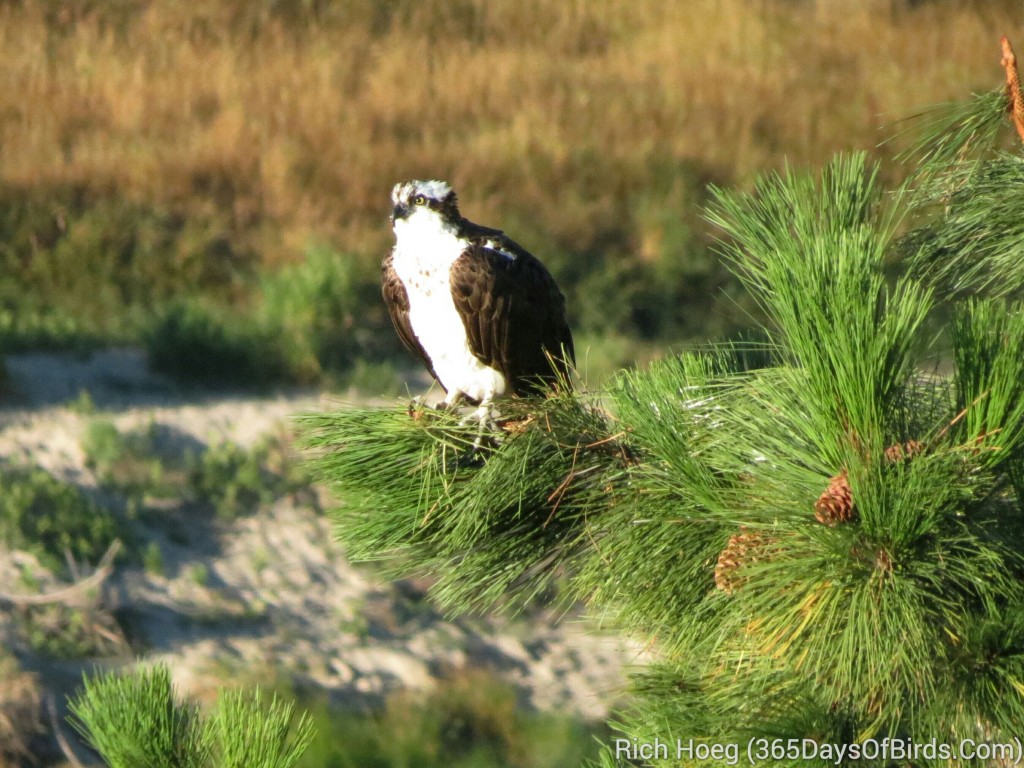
x=484 y=316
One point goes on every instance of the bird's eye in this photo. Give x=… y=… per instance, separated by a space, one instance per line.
x=419 y=200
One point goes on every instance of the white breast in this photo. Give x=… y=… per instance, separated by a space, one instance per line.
x=423 y=257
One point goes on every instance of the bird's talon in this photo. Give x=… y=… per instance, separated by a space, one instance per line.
x=415 y=408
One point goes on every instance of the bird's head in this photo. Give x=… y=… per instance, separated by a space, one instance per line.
x=420 y=201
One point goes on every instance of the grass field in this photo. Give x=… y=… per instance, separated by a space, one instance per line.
x=162 y=152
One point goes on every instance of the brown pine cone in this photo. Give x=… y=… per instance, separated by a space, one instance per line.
x=835 y=505
x=903 y=451
x=742 y=548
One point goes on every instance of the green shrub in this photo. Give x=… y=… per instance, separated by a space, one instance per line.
x=224 y=476
x=312 y=309
x=199 y=574
x=234 y=480
x=127 y=462
x=29 y=329
x=307 y=321
x=382 y=379
x=47 y=517
x=103 y=445
x=470 y=721
x=196 y=344
x=70 y=632
x=127 y=258
x=153 y=559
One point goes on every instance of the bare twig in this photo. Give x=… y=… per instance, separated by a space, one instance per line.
x=559 y=492
x=959 y=416
x=58 y=733
x=74 y=593
x=1013 y=88
x=72 y=565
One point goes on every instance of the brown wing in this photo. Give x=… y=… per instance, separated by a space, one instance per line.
x=397 y=301
x=514 y=315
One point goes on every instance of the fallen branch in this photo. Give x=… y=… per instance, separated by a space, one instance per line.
x=69 y=595
x=58 y=732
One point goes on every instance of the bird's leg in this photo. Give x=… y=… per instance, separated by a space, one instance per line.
x=484 y=414
x=484 y=417
x=451 y=400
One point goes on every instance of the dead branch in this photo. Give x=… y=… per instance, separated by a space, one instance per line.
x=74 y=594
x=1013 y=88
x=58 y=732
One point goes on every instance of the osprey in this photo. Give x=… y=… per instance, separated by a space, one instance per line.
x=484 y=316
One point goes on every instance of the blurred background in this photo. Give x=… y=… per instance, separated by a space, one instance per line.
x=211 y=180
x=198 y=194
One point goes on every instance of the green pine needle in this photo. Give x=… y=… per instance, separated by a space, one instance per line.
x=134 y=720
x=252 y=735
x=988 y=348
x=948 y=134
x=495 y=521
x=974 y=246
x=813 y=255
x=819 y=539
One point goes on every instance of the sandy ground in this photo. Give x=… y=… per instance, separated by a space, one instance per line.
x=279 y=598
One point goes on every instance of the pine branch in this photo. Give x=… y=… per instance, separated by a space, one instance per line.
x=136 y=721
x=971 y=192
x=495 y=522
x=988 y=348
x=813 y=255
x=973 y=248
x=253 y=736
x=952 y=134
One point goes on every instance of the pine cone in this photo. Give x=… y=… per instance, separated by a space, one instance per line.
x=742 y=548
x=835 y=505
x=515 y=426
x=903 y=451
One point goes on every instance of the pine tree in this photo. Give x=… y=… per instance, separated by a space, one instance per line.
x=819 y=533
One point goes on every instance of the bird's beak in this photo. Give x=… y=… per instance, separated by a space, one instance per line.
x=400 y=211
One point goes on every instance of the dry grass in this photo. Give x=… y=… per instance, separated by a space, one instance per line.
x=19 y=711
x=562 y=111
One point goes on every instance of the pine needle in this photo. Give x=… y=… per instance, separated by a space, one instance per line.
x=682 y=503
x=949 y=134
x=136 y=721
x=253 y=735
